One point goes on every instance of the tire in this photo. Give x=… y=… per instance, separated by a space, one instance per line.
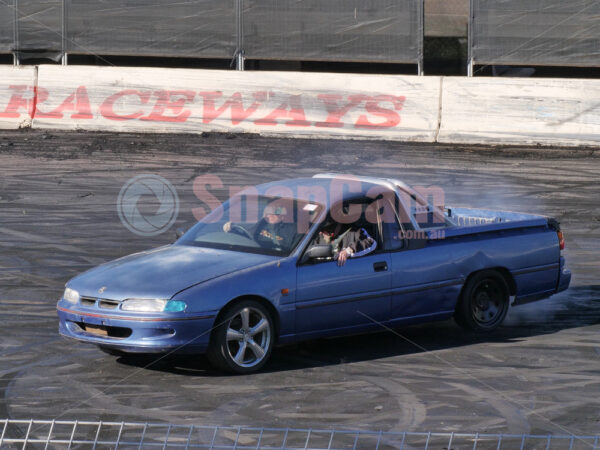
x=243 y=340
x=484 y=302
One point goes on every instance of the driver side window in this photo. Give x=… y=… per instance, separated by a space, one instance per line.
x=351 y=233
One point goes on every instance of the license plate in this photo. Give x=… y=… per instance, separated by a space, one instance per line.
x=98 y=330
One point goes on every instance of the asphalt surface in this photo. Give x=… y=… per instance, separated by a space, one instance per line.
x=540 y=373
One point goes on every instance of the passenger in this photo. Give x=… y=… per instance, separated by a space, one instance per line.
x=351 y=243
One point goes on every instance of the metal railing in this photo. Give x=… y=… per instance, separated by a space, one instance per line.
x=63 y=434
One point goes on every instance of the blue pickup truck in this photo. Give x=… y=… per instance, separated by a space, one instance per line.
x=312 y=257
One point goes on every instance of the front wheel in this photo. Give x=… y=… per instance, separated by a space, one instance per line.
x=243 y=339
x=484 y=302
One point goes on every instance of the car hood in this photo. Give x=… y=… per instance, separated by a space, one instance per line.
x=161 y=272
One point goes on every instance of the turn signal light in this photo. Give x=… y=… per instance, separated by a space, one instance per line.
x=561 y=240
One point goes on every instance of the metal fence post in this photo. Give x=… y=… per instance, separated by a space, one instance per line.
x=285 y=436
x=65 y=19
x=72 y=435
x=378 y=440
x=120 y=433
x=15 y=33
x=3 y=431
x=307 y=439
x=49 y=435
x=143 y=435
x=97 y=435
x=212 y=444
x=331 y=441
x=237 y=438
x=27 y=435
x=475 y=442
x=403 y=439
x=259 y=439
x=470 y=38
x=167 y=437
x=240 y=35
x=450 y=440
x=189 y=439
x=421 y=37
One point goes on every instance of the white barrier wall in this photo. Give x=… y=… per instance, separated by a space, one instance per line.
x=288 y=103
x=16 y=96
x=407 y=108
x=520 y=111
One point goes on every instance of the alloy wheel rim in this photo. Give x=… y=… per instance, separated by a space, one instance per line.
x=248 y=337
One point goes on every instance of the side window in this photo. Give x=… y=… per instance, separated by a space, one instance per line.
x=353 y=226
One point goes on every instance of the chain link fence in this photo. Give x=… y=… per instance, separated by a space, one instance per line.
x=38 y=434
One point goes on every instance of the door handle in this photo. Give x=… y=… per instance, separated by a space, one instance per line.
x=380 y=266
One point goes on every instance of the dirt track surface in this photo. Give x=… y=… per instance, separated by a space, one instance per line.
x=540 y=373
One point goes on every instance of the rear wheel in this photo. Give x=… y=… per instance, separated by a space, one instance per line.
x=484 y=302
x=243 y=340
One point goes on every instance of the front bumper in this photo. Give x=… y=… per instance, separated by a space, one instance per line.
x=185 y=334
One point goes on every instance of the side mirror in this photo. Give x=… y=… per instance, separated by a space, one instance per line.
x=318 y=251
x=179 y=232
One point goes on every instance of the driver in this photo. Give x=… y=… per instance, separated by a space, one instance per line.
x=271 y=230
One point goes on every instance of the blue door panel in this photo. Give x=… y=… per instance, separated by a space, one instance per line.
x=424 y=281
x=425 y=302
x=329 y=296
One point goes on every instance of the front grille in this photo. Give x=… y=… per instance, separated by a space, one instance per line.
x=108 y=304
x=88 y=301
x=103 y=303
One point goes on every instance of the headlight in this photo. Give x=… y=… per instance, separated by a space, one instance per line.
x=71 y=295
x=144 y=304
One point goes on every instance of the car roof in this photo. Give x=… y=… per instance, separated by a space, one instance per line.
x=331 y=183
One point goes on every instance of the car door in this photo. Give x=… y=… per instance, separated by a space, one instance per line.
x=426 y=280
x=351 y=297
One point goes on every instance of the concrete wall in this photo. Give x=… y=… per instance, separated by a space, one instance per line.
x=520 y=111
x=278 y=103
x=16 y=96
x=483 y=110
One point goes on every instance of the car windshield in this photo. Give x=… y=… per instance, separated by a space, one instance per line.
x=256 y=224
